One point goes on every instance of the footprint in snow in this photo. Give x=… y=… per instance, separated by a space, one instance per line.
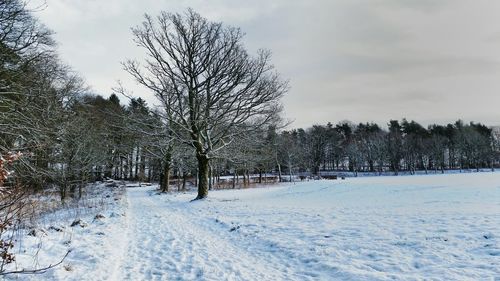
x=234 y=228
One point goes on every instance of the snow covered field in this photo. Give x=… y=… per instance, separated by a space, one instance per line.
x=439 y=227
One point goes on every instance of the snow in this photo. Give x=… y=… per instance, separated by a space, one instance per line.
x=436 y=227
x=93 y=243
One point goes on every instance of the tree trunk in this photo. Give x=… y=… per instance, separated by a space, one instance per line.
x=80 y=191
x=149 y=170
x=108 y=170
x=166 y=177
x=136 y=172
x=72 y=190
x=184 y=179
x=203 y=173
x=214 y=177
x=130 y=165
x=165 y=183
x=142 y=166
x=178 y=183
x=63 y=191
x=179 y=172
x=210 y=176
x=166 y=172
x=244 y=179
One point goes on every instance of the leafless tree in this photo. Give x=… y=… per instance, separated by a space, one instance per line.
x=210 y=87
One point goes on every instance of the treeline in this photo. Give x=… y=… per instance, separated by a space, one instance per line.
x=69 y=136
x=403 y=146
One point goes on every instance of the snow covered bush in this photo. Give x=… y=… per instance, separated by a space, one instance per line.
x=15 y=210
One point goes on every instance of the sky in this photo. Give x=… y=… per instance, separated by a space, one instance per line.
x=358 y=60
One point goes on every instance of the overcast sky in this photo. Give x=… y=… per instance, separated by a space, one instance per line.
x=371 y=60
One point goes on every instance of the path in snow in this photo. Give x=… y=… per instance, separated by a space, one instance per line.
x=165 y=244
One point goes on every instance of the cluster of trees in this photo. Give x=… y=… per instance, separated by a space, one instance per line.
x=403 y=146
x=67 y=135
x=218 y=115
x=35 y=91
x=212 y=93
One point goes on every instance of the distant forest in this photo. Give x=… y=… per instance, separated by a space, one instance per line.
x=403 y=146
x=93 y=138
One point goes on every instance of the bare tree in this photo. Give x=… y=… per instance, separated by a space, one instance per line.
x=210 y=87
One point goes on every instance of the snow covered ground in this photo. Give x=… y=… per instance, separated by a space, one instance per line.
x=94 y=243
x=439 y=227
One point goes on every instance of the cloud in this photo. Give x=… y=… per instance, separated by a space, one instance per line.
x=363 y=60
